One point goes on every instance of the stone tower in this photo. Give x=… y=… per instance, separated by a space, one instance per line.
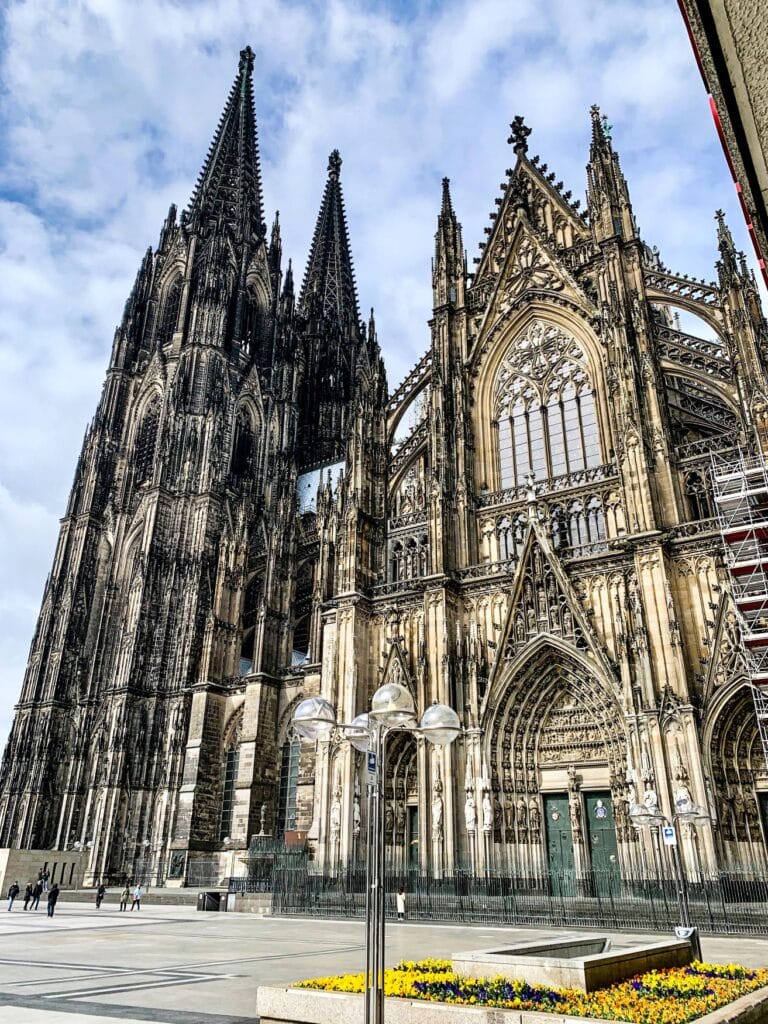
x=152 y=690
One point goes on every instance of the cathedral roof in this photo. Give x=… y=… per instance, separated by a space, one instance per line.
x=229 y=186
x=329 y=282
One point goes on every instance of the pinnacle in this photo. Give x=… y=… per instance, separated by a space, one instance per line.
x=329 y=282
x=447 y=207
x=229 y=186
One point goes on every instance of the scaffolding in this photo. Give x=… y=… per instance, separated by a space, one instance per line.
x=740 y=487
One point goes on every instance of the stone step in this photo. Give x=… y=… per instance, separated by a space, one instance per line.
x=158 y=897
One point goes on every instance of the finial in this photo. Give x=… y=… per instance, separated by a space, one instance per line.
x=334 y=163
x=519 y=136
x=724 y=237
x=246 y=60
x=446 y=207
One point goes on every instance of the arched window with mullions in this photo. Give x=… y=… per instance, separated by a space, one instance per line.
x=545 y=407
x=169 y=314
x=289 y=781
x=146 y=441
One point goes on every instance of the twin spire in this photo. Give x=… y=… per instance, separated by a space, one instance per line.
x=229 y=192
x=229 y=187
x=329 y=288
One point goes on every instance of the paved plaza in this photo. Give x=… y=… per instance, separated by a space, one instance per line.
x=176 y=965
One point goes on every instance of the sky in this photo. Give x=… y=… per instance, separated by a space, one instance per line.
x=107 y=108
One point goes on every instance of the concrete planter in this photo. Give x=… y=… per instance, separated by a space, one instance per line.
x=308 y=1006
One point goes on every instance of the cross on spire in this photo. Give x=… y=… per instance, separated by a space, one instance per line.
x=329 y=282
x=229 y=186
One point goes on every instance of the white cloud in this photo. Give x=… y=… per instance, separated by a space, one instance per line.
x=109 y=109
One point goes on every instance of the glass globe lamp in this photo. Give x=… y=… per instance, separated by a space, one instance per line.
x=314 y=718
x=440 y=724
x=358 y=732
x=640 y=815
x=392 y=705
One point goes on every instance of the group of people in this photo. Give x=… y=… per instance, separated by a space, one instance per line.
x=125 y=896
x=34 y=891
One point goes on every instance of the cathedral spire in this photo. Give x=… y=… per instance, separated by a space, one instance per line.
x=329 y=282
x=610 y=210
x=229 y=186
x=448 y=264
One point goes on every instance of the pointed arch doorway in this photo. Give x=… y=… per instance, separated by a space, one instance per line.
x=557 y=747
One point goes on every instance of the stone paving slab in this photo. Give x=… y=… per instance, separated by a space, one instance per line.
x=175 y=965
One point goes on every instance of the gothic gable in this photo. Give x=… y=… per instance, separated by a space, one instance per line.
x=522 y=265
x=543 y=602
x=727 y=662
x=396 y=669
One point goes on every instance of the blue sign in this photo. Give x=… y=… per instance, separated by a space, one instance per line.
x=372 y=766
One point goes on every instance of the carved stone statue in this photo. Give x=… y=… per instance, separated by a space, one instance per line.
x=534 y=815
x=574 y=809
x=437 y=810
x=389 y=822
x=336 y=816
x=356 y=816
x=470 y=812
x=650 y=800
x=487 y=813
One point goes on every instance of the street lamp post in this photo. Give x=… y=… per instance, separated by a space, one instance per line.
x=653 y=817
x=392 y=709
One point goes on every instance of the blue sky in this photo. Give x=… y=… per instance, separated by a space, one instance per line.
x=107 y=109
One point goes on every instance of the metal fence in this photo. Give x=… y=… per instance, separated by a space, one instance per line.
x=724 y=903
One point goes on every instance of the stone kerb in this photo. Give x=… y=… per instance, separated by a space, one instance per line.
x=572 y=961
x=307 y=1006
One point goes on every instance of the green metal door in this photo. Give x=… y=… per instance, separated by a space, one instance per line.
x=560 y=861
x=601 y=836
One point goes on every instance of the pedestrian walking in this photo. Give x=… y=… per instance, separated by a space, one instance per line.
x=36 y=893
x=28 y=894
x=53 y=895
x=100 y=894
x=137 y=894
x=400 y=904
x=13 y=892
x=125 y=895
x=46 y=876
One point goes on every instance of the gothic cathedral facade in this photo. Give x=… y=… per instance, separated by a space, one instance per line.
x=523 y=529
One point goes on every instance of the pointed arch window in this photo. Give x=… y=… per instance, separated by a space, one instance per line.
x=698 y=491
x=229 y=768
x=242 y=445
x=545 y=407
x=146 y=441
x=289 y=781
x=169 y=316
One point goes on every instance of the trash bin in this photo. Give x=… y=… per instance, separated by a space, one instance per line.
x=210 y=901
x=692 y=935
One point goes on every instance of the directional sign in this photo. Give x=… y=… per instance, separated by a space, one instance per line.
x=373 y=769
x=669 y=835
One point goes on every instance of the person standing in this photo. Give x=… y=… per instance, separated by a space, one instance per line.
x=400 y=904
x=36 y=893
x=13 y=892
x=100 y=894
x=125 y=895
x=46 y=876
x=138 y=892
x=27 y=895
x=53 y=895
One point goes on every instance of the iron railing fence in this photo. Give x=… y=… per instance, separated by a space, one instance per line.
x=724 y=903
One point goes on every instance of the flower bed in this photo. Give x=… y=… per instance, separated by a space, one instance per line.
x=671 y=996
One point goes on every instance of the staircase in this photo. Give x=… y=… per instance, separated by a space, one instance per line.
x=740 y=485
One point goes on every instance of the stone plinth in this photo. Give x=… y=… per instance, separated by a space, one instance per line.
x=572 y=961
x=307 y=1006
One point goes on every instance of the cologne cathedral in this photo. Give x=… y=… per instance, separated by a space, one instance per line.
x=524 y=529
